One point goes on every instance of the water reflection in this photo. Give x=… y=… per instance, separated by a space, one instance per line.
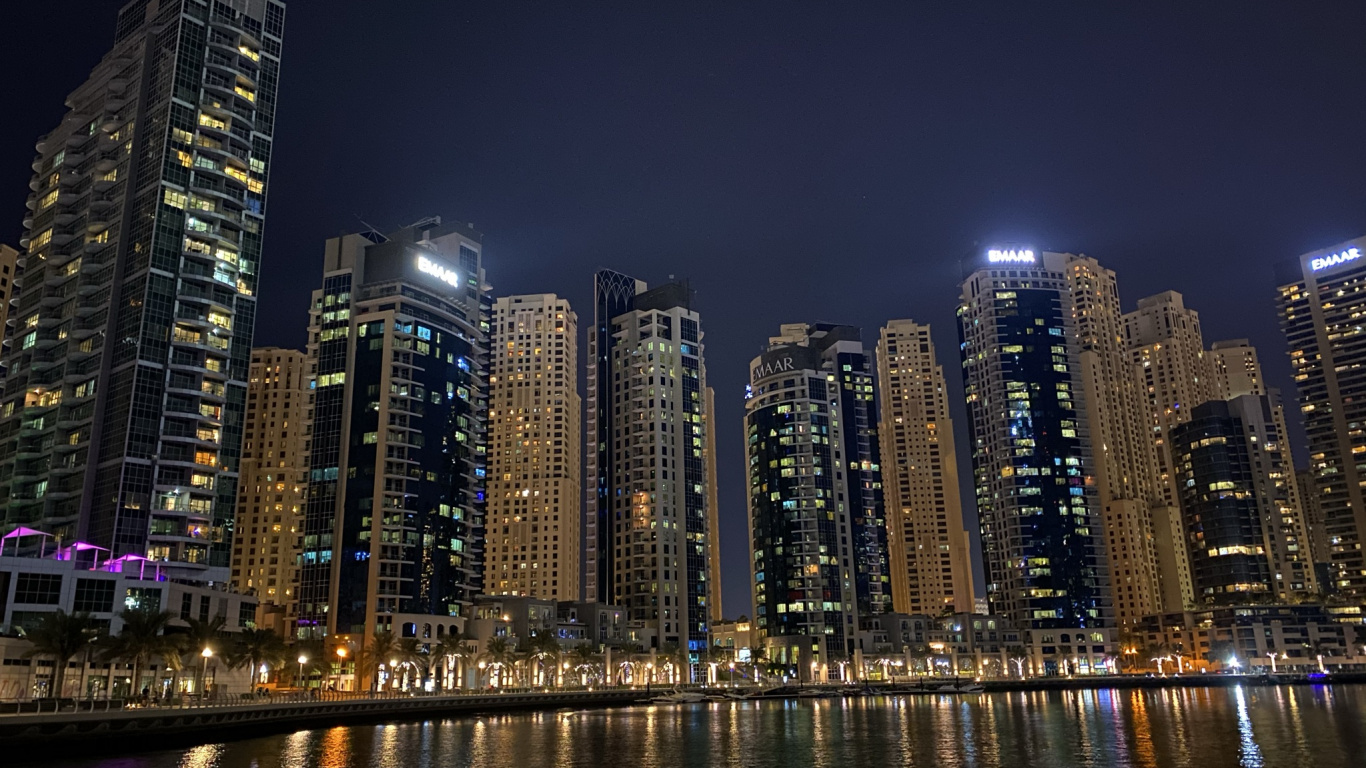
x=1204 y=728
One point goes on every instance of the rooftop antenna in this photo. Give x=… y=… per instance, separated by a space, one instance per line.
x=370 y=233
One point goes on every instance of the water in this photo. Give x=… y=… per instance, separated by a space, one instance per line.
x=1302 y=727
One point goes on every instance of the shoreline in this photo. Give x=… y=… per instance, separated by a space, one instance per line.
x=127 y=731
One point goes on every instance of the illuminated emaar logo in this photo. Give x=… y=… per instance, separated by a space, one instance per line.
x=429 y=267
x=996 y=256
x=1324 y=262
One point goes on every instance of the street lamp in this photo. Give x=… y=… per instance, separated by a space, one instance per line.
x=341 y=660
x=302 y=661
x=204 y=656
x=732 y=674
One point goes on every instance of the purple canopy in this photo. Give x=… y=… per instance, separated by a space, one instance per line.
x=20 y=533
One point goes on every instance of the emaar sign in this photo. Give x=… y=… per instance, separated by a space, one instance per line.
x=428 y=267
x=1324 y=262
x=997 y=256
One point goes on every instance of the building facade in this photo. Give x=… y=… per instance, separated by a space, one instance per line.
x=534 y=493
x=274 y=475
x=394 y=518
x=1321 y=296
x=613 y=296
x=121 y=417
x=930 y=559
x=1033 y=470
x=1125 y=452
x=648 y=523
x=9 y=269
x=854 y=368
x=1175 y=374
x=1244 y=529
x=802 y=556
x=1237 y=367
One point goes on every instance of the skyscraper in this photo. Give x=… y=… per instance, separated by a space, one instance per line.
x=1033 y=466
x=648 y=538
x=842 y=347
x=1125 y=453
x=269 y=525
x=804 y=567
x=1237 y=367
x=613 y=296
x=394 y=521
x=1240 y=508
x=137 y=303
x=1321 y=300
x=931 y=566
x=9 y=267
x=534 y=494
x=1175 y=374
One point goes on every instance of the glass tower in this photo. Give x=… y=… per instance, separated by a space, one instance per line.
x=394 y=519
x=1032 y=462
x=1321 y=298
x=122 y=412
x=802 y=540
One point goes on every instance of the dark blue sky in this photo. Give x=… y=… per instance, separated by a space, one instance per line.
x=796 y=161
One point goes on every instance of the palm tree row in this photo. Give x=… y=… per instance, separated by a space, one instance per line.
x=147 y=635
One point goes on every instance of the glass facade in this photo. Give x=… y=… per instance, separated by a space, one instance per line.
x=1321 y=298
x=802 y=540
x=1032 y=462
x=394 y=519
x=123 y=404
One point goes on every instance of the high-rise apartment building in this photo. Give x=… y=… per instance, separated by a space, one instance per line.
x=1033 y=469
x=931 y=564
x=801 y=533
x=1319 y=546
x=852 y=364
x=394 y=521
x=121 y=418
x=274 y=474
x=1237 y=367
x=1244 y=529
x=613 y=296
x=647 y=524
x=1175 y=374
x=1321 y=297
x=534 y=494
x=1125 y=453
x=9 y=268
x=717 y=614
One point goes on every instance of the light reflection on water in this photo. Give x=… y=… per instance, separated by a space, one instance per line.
x=1205 y=728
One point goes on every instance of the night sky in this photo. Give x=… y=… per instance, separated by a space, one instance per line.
x=796 y=161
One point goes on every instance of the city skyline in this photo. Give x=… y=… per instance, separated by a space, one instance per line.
x=1221 y=265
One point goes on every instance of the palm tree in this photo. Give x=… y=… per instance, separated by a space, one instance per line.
x=445 y=653
x=198 y=637
x=61 y=635
x=256 y=647
x=411 y=652
x=758 y=658
x=141 y=639
x=1017 y=655
x=672 y=653
x=584 y=661
x=496 y=656
x=379 y=651
x=543 y=648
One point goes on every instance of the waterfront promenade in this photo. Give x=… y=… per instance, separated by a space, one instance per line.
x=110 y=727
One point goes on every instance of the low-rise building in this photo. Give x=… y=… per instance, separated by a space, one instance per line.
x=1251 y=636
x=76 y=579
